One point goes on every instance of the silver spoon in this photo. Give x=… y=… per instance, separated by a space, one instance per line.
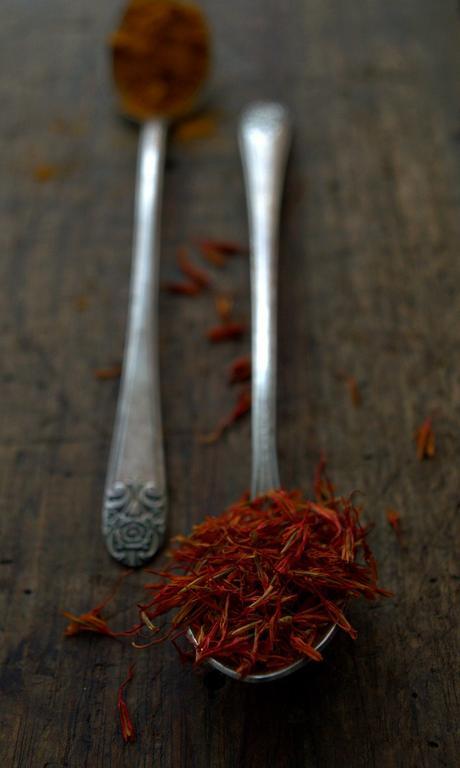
x=265 y=137
x=134 y=510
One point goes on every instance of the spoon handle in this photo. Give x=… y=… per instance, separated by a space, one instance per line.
x=265 y=138
x=134 y=510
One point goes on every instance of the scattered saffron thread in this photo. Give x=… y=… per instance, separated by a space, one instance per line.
x=224 y=247
x=107 y=374
x=394 y=520
x=214 y=257
x=425 y=440
x=92 y=620
x=127 y=727
x=354 y=391
x=240 y=370
x=322 y=485
x=189 y=269
x=216 y=252
x=197 y=278
x=182 y=287
x=224 y=308
x=240 y=409
x=228 y=331
x=352 y=386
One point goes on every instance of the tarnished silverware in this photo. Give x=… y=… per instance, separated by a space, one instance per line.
x=134 y=510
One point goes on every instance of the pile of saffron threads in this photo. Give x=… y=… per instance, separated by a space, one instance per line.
x=260 y=584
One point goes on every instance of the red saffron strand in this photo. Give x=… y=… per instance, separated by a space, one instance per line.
x=352 y=386
x=222 y=247
x=190 y=270
x=224 y=308
x=240 y=409
x=182 y=288
x=226 y=332
x=108 y=374
x=425 y=439
x=394 y=520
x=240 y=370
x=354 y=391
x=127 y=727
x=322 y=486
x=214 y=257
x=91 y=621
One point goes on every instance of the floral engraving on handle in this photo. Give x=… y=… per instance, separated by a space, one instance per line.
x=134 y=521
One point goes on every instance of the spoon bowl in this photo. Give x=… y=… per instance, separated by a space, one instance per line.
x=265 y=677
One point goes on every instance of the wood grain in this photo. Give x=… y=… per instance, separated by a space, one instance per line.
x=369 y=281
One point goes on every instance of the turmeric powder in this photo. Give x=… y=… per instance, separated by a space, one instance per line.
x=160 y=57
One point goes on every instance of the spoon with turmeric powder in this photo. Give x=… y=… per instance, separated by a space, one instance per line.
x=160 y=59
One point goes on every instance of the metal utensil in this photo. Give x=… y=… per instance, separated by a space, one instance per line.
x=264 y=137
x=134 y=510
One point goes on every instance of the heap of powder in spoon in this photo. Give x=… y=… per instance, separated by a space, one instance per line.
x=160 y=57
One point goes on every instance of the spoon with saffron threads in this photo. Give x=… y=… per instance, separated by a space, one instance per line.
x=265 y=134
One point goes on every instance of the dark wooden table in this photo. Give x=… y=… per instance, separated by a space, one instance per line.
x=369 y=285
